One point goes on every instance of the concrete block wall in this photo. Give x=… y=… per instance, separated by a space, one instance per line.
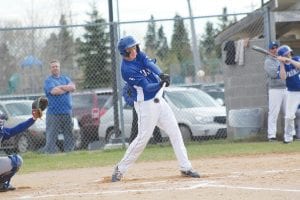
x=246 y=85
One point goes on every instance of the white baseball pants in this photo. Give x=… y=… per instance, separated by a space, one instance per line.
x=5 y=164
x=151 y=114
x=297 y=124
x=277 y=101
x=292 y=103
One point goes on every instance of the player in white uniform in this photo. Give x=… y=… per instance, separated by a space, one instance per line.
x=145 y=80
x=277 y=91
x=290 y=71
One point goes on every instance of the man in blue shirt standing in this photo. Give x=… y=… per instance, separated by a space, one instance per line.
x=58 y=90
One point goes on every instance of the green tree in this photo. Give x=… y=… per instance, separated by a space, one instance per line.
x=208 y=49
x=151 y=38
x=156 y=44
x=8 y=67
x=94 y=52
x=162 y=44
x=60 y=46
x=180 y=46
x=207 y=41
x=210 y=52
x=225 y=21
x=50 y=50
x=66 y=46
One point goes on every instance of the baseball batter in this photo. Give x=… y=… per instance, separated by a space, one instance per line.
x=145 y=79
x=9 y=165
x=290 y=71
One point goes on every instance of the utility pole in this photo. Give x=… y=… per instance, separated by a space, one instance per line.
x=114 y=68
x=118 y=119
x=196 y=56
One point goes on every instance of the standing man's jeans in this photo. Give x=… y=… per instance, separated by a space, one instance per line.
x=56 y=124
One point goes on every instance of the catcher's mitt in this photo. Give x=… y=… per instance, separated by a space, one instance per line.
x=38 y=106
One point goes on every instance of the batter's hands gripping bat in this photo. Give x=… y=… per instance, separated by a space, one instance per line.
x=263 y=51
x=165 y=80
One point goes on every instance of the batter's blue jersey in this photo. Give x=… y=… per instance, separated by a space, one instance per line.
x=141 y=74
x=293 y=77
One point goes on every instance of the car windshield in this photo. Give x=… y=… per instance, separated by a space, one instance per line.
x=18 y=109
x=190 y=99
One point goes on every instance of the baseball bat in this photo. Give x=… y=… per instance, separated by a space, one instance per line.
x=263 y=51
x=161 y=91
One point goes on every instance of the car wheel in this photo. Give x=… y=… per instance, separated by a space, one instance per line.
x=23 y=144
x=186 y=133
x=111 y=136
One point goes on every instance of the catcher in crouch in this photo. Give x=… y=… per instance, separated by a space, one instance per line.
x=10 y=164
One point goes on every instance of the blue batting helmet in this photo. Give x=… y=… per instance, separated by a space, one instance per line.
x=125 y=43
x=296 y=58
x=284 y=50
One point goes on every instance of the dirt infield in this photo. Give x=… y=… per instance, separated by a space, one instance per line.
x=269 y=176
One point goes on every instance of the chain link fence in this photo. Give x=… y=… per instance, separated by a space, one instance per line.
x=197 y=99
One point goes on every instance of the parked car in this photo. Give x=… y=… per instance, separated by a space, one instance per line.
x=216 y=90
x=88 y=108
x=18 y=111
x=21 y=97
x=197 y=114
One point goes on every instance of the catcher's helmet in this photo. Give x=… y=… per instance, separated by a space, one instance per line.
x=284 y=50
x=125 y=43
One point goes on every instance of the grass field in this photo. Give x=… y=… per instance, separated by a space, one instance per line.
x=228 y=170
x=34 y=162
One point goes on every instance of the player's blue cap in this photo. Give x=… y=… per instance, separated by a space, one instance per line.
x=273 y=44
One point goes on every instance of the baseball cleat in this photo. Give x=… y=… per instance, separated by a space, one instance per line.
x=296 y=138
x=272 y=140
x=287 y=142
x=6 y=187
x=190 y=173
x=117 y=175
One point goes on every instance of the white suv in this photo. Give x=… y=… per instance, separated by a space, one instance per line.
x=18 y=111
x=197 y=113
